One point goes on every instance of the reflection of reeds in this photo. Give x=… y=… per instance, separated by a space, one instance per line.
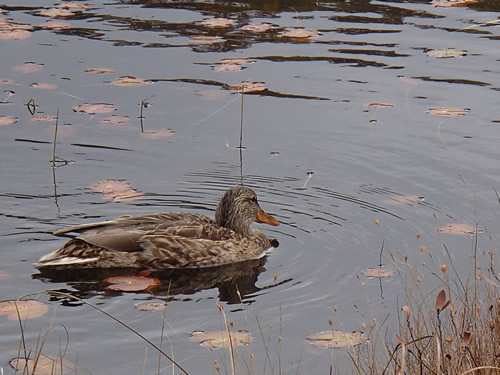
x=55 y=140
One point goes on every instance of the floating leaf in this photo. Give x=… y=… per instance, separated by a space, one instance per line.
x=28 y=309
x=299 y=33
x=44 y=86
x=461 y=229
x=151 y=306
x=337 y=339
x=51 y=25
x=45 y=365
x=404 y=199
x=115 y=120
x=228 y=68
x=132 y=283
x=445 y=53
x=378 y=272
x=453 y=3
x=118 y=190
x=28 y=67
x=99 y=70
x=41 y=118
x=56 y=12
x=130 y=81
x=94 y=108
x=4 y=275
x=447 y=111
x=249 y=87
x=380 y=105
x=6 y=120
x=157 y=134
x=257 y=28
x=74 y=5
x=14 y=34
x=205 y=39
x=220 y=339
x=238 y=61
x=6 y=81
x=218 y=22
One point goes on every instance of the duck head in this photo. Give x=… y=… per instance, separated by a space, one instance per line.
x=238 y=208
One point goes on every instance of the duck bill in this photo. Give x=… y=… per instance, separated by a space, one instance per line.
x=262 y=217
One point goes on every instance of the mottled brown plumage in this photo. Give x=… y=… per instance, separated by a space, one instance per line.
x=169 y=240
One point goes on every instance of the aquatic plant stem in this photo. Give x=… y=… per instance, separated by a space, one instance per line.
x=55 y=140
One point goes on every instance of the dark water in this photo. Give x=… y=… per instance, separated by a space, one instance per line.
x=322 y=161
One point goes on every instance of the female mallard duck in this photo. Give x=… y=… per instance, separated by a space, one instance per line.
x=169 y=240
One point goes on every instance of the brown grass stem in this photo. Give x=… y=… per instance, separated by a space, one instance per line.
x=229 y=338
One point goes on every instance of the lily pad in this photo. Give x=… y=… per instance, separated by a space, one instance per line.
x=151 y=306
x=220 y=339
x=44 y=366
x=94 y=108
x=6 y=120
x=378 y=272
x=337 y=339
x=447 y=111
x=28 y=309
x=132 y=283
x=460 y=229
x=218 y=22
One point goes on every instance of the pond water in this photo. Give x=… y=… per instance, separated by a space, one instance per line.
x=325 y=162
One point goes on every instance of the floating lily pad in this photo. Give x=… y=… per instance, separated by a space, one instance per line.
x=445 y=53
x=151 y=306
x=44 y=86
x=404 y=199
x=56 y=12
x=220 y=339
x=257 y=28
x=205 y=39
x=28 y=309
x=132 y=283
x=115 y=120
x=51 y=25
x=44 y=366
x=453 y=3
x=249 y=87
x=99 y=70
x=218 y=22
x=378 y=272
x=300 y=34
x=157 y=134
x=337 y=339
x=94 y=108
x=130 y=81
x=28 y=67
x=6 y=120
x=380 y=105
x=42 y=118
x=447 y=111
x=460 y=229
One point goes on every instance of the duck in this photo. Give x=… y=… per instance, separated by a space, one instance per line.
x=169 y=240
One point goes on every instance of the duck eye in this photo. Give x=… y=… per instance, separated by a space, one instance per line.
x=253 y=199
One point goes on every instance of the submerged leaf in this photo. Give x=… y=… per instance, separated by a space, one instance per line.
x=28 y=309
x=220 y=339
x=337 y=339
x=132 y=283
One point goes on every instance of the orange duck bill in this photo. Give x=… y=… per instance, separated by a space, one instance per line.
x=262 y=217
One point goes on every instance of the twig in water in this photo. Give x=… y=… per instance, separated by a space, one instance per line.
x=55 y=140
x=144 y=104
x=31 y=106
